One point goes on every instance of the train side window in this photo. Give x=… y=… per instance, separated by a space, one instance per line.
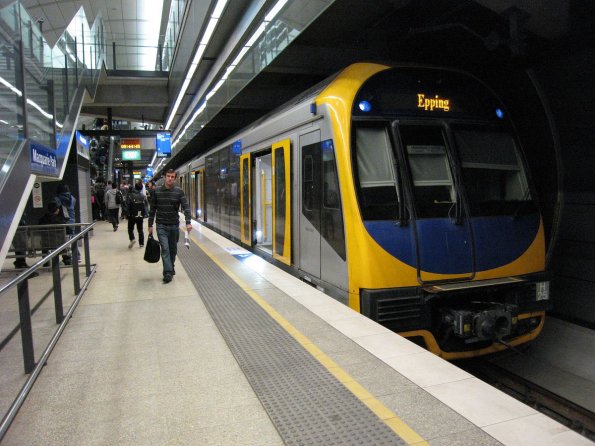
x=433 y=188
x=375 y=172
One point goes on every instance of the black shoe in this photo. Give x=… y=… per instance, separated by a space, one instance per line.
x=173 y=272
x=67 y=262
x=33 y=274
x=141 y=245
x=167 y=278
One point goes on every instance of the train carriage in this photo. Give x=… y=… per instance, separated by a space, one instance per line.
x=400 y=191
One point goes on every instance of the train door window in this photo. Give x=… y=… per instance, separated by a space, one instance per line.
x=211 y=186
x=245 y=203
x=263 y=202
x=331 y=214
x=310 y=189
x=493 y=175
x=433 y=188
x=281 y=202
x=375 y=172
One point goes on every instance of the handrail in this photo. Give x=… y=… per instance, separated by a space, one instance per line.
x=21 y=282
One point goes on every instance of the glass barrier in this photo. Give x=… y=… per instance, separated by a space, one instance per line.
x=268 y=41
x=11 y=116
x=171 y=35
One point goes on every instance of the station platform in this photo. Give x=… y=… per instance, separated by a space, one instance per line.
x=235 y=351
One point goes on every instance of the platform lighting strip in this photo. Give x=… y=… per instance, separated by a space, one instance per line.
x=268 y=18
x=204 y=41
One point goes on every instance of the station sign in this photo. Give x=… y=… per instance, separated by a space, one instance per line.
x=43 y=160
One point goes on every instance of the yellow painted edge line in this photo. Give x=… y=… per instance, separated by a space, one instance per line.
x=397 y=425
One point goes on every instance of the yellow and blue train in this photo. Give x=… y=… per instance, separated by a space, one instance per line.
x=400 y=191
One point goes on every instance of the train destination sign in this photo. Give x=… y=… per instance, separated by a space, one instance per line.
x=432 y=103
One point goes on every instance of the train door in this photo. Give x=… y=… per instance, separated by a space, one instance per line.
x=282 y=201
x=262 y=199
x=443 y=233
x=311 y=198
x=245 y=199
x=198 y=195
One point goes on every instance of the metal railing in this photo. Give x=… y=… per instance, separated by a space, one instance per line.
x=21 y=282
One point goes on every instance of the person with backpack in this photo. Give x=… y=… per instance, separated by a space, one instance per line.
x=113 y=199
x=66 y=202
x=136 y=205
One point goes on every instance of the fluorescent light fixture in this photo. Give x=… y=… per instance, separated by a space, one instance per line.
x=209 y=31
x=215 y=16
x=256 y=34
x=198 y=55
x=273 y=12
x=219 y=9
x=240 y=56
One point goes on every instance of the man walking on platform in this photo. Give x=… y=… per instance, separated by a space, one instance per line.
x=165 y=202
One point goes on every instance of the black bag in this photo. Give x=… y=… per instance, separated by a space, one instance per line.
x=118 y=197
x=152 y=250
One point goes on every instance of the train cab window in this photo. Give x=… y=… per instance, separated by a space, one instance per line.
x=375 y=172
x=493 y=174
x=433 y=187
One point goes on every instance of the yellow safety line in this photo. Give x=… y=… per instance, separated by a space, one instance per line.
x=390 y=419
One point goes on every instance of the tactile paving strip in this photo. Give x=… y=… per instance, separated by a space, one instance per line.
x=307 y=405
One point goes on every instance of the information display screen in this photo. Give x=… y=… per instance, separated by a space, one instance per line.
x=163 y=145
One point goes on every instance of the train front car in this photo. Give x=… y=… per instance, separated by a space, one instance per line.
x=444 y=241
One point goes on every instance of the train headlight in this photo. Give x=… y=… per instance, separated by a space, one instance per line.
x=365 y=106
x=542 y=291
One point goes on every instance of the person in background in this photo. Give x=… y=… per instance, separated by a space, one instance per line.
x=112 y=205
x=52 y=238
x=165 y=203
x=136 y=203
x=99 y=200
x=66 y=201
x=94 y=205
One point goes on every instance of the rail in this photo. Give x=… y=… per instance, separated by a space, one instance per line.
x=21 y=283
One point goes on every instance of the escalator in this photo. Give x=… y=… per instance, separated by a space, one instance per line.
x=41 y=93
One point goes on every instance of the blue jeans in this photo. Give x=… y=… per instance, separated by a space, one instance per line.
x=168 y=239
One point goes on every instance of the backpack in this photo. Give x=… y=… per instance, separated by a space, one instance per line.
x=118 y=197
x=137 y=203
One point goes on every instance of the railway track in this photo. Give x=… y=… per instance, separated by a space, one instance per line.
x=566 y=412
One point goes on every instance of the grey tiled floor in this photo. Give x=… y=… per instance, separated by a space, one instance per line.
x=140 y=363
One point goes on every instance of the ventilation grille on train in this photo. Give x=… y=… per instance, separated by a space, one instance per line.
x=397 y=309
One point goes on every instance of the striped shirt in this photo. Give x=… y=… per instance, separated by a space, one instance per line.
x=166 y=203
